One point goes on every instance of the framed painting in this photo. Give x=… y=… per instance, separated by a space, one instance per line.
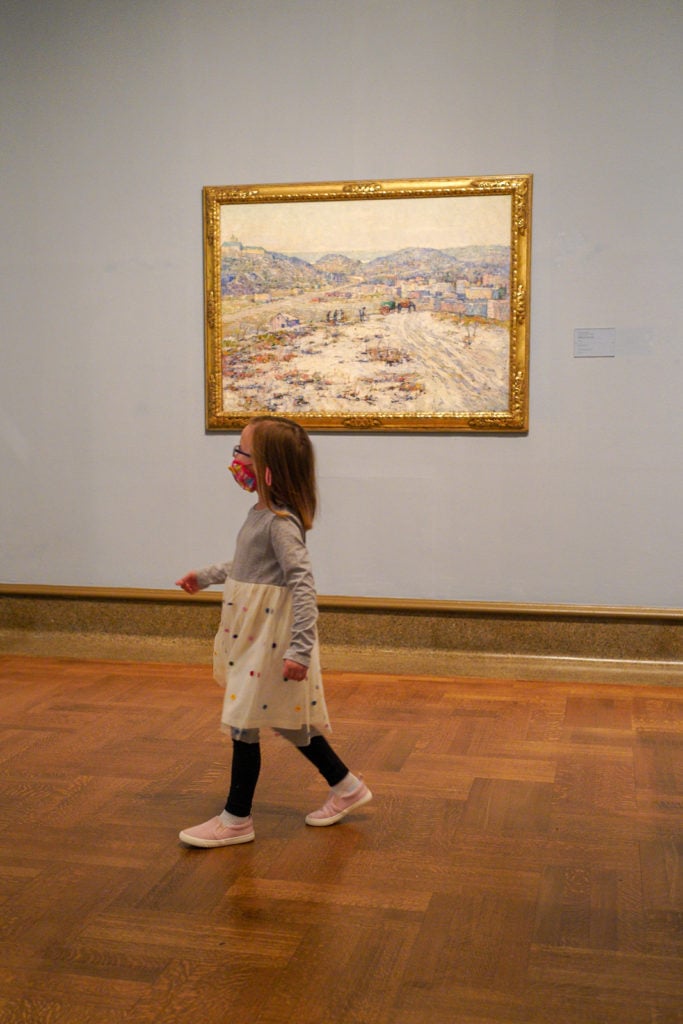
x=369 y=305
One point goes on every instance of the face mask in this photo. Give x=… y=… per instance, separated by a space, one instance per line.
x=244 y=475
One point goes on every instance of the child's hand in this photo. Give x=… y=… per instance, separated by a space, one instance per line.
x=189 y=582
x=293 y=670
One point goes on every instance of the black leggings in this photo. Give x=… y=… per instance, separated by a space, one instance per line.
x=246 y=766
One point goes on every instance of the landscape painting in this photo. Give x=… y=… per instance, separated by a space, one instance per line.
x=376 y=306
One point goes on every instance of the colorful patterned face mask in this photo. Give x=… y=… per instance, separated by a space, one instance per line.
x=244 y=475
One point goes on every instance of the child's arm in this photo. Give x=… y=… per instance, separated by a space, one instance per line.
x=293 y=670
x=199 y=579
x=291 y=552
x=188 y=582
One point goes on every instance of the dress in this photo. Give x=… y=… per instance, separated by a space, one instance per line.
x=269 y=613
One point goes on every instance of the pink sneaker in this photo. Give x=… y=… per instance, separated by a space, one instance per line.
x=337 y=807
x=215 y=833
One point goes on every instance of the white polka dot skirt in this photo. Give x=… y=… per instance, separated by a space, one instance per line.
x=250 y=645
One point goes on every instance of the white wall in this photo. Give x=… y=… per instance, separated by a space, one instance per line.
x=115 y=113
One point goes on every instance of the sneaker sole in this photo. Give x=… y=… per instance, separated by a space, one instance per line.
x=206 y=844
x=342 y=814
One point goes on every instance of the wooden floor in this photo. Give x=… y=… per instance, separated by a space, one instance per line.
x=521 y=861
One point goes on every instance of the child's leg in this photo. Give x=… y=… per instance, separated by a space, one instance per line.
x=346 y=790
x=234 y=825
x=246 y=767
x=329 y=764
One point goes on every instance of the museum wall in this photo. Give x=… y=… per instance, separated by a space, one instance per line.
x=115 y=114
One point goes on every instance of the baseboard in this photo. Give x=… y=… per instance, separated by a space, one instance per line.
x=439 y=636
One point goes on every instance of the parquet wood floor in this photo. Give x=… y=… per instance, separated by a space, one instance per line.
x=521 y=861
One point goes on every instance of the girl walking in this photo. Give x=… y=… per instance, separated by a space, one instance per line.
x=266 y=651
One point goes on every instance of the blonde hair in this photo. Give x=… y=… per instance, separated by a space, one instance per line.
x=283 y=447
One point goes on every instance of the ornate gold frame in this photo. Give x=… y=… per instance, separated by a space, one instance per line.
x=272 y=333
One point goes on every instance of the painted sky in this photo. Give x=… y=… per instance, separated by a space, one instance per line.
x=371 y=225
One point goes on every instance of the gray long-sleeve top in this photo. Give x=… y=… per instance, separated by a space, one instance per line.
x=271 y=549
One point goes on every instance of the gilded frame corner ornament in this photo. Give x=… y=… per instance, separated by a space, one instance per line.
x=369 y=305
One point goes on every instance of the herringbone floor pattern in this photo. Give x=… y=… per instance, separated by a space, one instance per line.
x=521 y=861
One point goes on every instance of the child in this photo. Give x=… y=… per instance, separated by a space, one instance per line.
x=266 y=650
